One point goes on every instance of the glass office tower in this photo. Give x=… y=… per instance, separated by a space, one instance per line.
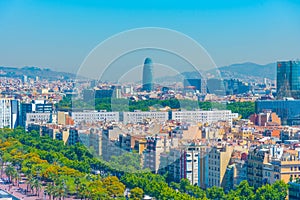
x=287 y=110
x=148 y=75
x=288 y=79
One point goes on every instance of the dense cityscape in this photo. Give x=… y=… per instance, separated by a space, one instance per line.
x=211 y=150
x=149 y=100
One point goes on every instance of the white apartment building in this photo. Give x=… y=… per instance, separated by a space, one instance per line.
x=192 y=165
x=38 y=118
x=5 y=113
x=186 y=162
x=140 y=116
x=9 y=109
x=204 y=116
x=94 y=116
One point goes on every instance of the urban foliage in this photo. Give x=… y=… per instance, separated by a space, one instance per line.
x=66 y=170
x=245 y=109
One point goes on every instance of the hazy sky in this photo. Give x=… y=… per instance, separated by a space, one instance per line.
x=59 y=34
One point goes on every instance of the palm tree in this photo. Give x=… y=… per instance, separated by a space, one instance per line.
x=27 y=182
x=18 y=179
x=14 y=177
x=83 y=191
x=55 y=192
x=31 y=181
x=61 y=190
x=49 y=189
x=53 y=178
x=77 y=182
x=9 y=171
x=2 y=163
x=37 y=185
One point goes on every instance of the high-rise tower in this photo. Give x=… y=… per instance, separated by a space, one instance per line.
x=147 y=75
x=288 y=79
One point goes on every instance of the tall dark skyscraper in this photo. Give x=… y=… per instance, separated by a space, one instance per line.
x=148 y=75
x=288 y=79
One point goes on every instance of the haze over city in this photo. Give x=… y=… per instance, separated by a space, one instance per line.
x=60 y=34
x=158 y=100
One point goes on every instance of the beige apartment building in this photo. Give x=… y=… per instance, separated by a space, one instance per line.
x=218 y=160
x=285 y=168
x=256 y=160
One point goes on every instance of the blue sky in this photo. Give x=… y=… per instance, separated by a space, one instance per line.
x=59 y=34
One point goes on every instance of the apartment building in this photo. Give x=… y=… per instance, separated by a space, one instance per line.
x=269 y=164
x=110 y=137
x=63 y=118
x=94 y=116
x=8 y=113
x=218 y=159
x=286 y=167
x=95 y=142
x=156 y=145
x=35 y=106
x=139 y=116
x=39 y=118
x=188 y=161
x=204 y=116
x=73 y=136
x=257 y=157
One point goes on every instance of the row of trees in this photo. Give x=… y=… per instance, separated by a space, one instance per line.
x=50 y=167
x=62 y=171
x=245 y=109
x=156 y=186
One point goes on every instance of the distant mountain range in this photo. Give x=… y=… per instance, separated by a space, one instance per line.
x=33 y=72
x=248 y=70
x=244 y=71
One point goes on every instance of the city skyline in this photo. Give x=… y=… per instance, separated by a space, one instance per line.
x=231 y=32
x=150 y=100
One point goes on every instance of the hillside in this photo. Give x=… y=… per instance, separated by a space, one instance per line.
x=244 y=71
x=249 y=70
x=33 y=72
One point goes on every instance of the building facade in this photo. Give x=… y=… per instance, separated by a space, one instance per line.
x=294 y=190
x=288 y=83
x=140 y=116
x=5 y=113
x=255 y=163
x=94 y=116
x=39 y=118
x=288 y=110
x=189 y=161
x=155 y=147
x=196 y=84
x=9 y=113
x=204 y=116
x=36 y=106
x=218 y=160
